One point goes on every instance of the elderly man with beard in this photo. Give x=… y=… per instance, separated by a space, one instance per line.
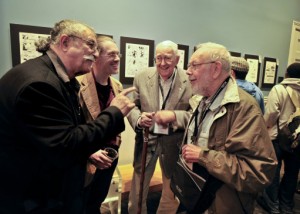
x=226 y=135
x=45 y=141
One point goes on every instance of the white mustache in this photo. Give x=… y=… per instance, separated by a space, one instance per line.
x=89 y=57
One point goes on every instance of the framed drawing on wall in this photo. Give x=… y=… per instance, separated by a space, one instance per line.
x=23 y=38
x=136 y=55
x=269 y=72
x=183 y=51
x=254 y=68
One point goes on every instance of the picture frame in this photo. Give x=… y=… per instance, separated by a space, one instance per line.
x=183 y=51
x=101 y=34
x=254 y=68
x=136 y=54
x=23 y=38
x=234 y=53
x=270 y=70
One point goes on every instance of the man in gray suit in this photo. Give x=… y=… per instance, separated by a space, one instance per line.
x=164 y=87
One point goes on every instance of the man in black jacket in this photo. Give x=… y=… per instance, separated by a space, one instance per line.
x=45 y=141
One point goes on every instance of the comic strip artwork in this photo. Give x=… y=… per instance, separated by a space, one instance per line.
x=27 y=45
x=137 y=57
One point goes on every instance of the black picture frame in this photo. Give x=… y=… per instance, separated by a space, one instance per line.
x=234 y=53
x=136 y=58
x=101 y=34
x=185 y=59
x=16 y=31
x=270 y=67
x=254 y=69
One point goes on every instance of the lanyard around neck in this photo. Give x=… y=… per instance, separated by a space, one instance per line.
x=204 y=111
x=162 y=91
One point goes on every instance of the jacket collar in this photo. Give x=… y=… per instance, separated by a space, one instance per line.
x=231 y=95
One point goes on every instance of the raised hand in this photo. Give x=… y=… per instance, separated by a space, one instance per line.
x=122 y=102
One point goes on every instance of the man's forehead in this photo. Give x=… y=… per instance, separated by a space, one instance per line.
x=165 y=51
x=198 y=54
x=109 y=45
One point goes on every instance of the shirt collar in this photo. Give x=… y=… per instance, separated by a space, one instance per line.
x=59 y=66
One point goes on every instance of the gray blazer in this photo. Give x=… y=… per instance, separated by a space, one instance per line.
x=147 y=100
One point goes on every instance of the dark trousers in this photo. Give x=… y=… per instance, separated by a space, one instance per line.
x=98 y=189
x=281 y=193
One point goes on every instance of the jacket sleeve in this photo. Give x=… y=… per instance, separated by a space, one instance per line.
x=272 y=108
x=47 y=121
x=135 y=113
x=240 y=153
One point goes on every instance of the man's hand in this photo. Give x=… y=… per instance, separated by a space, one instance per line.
x=122 y=102
x=146 y=119
x=100 y=159
x=164 y=117
x=191 y=153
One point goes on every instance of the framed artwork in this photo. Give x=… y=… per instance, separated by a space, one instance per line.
x=136 y=55
x=183 y=51
x=23 y=38
x=236 y=54
x=269 y=72
x=254 y=68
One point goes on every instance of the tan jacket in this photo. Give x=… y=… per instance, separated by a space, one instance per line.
x=147 y=100
x=240 y=152
x=91 y=109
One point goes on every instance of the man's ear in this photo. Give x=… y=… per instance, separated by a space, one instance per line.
x=217 y=70
x=232 y=74
x=64 y=41
x=177 y=59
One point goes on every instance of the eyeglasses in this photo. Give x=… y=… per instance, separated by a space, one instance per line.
x=159 y=59
x=113 y=55
x=89 y=42
x=194 y=66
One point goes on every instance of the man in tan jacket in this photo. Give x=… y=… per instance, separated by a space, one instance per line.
x=229 y=137
x=97 y=90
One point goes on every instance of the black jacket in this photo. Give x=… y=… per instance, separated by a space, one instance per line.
x=44 y=144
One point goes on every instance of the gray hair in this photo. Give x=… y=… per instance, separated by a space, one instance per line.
x=66 y=26
x=217 y=52
x=171 y=44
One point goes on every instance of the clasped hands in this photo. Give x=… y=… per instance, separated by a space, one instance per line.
x=162 y=117
x=190 y=152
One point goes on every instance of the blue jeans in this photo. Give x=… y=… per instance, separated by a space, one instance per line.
x=280 y=194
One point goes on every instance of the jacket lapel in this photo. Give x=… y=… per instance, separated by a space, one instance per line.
x=178 y=89
x=153 y=89
x=89 y=95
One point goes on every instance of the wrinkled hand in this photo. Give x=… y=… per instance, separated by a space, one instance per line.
x=146 y=119
x=100 y=160
x=164 y=117
x=191 y=153
x=122 y=102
